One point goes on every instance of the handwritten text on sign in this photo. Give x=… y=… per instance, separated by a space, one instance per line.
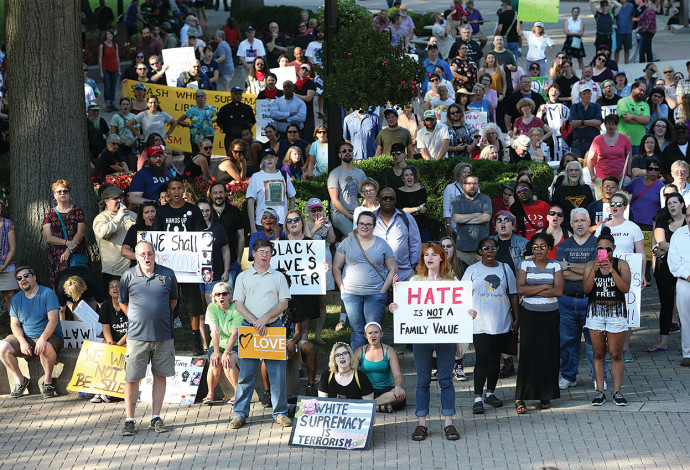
x=433 y=312
x=303 y=261
x=271 y=346
x=100 y=369
x=182 y=387
x=76 y=332
x=634 y=296
x=333 y=423
x=180 y=251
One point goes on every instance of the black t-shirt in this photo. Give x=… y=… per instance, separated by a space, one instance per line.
x=209 y=70
x=233 y=117
x=107 y=315
x=191 y=169
x=604 y=101
x=219 y=241
x=566 y=85
x=506 y=19
x=93 y=285
x=131 y=239
x=104 y=161
x=392 y=180
x=303 y=41
x=272 y=56
x=503 y=253
x=473 y=50
x=232 y=221
x=412 y=199
x=350 y=391
x=187 y=218
x=572 y=197
x=303 y=92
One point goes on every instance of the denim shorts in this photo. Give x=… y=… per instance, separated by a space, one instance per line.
x=609 y=324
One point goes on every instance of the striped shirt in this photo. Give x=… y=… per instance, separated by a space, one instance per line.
x=535 y=277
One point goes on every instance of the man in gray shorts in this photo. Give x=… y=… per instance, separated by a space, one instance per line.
x=36 y=331
x=148 y=294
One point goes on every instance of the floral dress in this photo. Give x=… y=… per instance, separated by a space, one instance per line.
x=201 y=120
x=72 y=220
x=467 y=68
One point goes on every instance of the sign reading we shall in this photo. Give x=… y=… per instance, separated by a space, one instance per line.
x=180 y=251
x=254 y=346
x=433 y=312
x=304 y=262
x=100 y=369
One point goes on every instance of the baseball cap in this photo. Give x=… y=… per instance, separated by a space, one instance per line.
x=200 y=92
x=390 y=111
x=398 y=147
x=585 y=87
x=429 y=115
x=94 y=106
x=523 y=140
x=306 y=66
x=111 y=191
x=192 y=32
x=432 y=46
x=314 y=202
x=140 y=86
x=539 y=23
x=267 y=152
x=236 y=89
x=154 y=149
x=249 y=28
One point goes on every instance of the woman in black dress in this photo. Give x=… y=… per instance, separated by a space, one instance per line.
x=411 y=198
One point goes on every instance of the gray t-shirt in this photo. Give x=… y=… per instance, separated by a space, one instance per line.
x=347 y=185
x=470 y=234
x=148 y=298
x=490 y=296
x=570 y=251
x=358 y=275
x=226 y=67
x=151 y=123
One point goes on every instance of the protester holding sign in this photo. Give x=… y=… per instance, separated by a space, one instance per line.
x=341 y=379
x=77 y=283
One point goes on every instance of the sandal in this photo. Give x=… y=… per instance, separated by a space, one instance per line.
x=420 y=433
x=451 y=433
x=520 y=407
x=385 y=408
x=208 y=400
x=545 y=404
x=231 y=401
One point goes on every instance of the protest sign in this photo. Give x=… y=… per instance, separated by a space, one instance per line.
x=605 y=111
x=182 y=387
x=539 y=85
x=476 y=120
x=75 y=333
x=178 y=60
x=433 y=312
x=303 y=261
x=100 y=369
x=648 y=243
x=545 y=11
x=85 y=313
x=333 y=423
x=271 y=346
x=180 y=251
x=175 y=101
x=284 y=73
x=263 y=118
x=634 y=296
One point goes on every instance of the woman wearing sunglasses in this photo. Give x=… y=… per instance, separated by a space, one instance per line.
x=495 y=300
x=540 y=280
x=201 y=118
x=555 y=218
x=607 y=280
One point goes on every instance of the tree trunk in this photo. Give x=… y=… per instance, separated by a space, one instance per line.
x=48 y=123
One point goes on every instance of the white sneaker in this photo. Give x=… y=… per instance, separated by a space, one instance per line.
x=96 y=399
x=177 y=323
x=564 y=383
x=595 y=385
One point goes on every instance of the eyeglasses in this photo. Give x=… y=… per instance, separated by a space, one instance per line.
x=141 y=68
x=607 y=248
x=263 y=252
x=302 y=26
x=500 y=220
x=221 y=294
x=668 y=71
x=653 y=168
x=116 y=144
x=543 y=246
x=346 y=151
x=292 y=132
x=293 y=220
x=62 y=191
x=155 y=63
x=660 y=126
x=320 y=132
x=433 y=80
x=316 y=211
x=206 y=148
x=489 y=248
x=364 y=225
x=387 y=198
x=522 y=191
x=397 y=152
x=454 y=113
x=342 y=354
x=557 y=214
x=24 y=276
x=195 y=66
x=241 y=152
x=140 y=57
x=616 y=204
x=609 y=186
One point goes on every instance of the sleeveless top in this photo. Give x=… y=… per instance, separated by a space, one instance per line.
x=223 y=176
x=497 y=82
x=574 y=26
x=191 y=169
x=378 y=372
x=606 y=300
x=110 y=58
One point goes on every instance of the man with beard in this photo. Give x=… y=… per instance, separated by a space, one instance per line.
x=464 y=69
x=676 y=150
x=474 y=52
x=36 y=331
x=194 y=77
x=145 y=183
x=511 y=113
x=530 y=214
x=634 y=114
x=148 y=44
x=401 y=235
x=393 y=134
x=343 y=183
x=471 y=214
x=288 y=109
x=235 y=116
x=433 y=138
x=181 y=216
x=230 y=217
x=573 y=193
x=586 y=81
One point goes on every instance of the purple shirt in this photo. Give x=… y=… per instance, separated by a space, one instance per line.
x=644 y=205
x=475 y=16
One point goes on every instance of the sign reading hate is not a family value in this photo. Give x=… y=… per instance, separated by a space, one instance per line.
x=304 y=263
x=271 y=346
x=100 y=369
x=433 y=312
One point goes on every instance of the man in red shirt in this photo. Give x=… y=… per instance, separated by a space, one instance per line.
x=502 y=203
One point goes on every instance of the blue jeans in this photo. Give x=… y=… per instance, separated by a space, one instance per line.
x=341 y=222
x=573 y=315
x=580 y=147
x=109 y=83
x=514 y=47
x=235 y=270
x=276 y=377
x=445 y=360
x=361 y=309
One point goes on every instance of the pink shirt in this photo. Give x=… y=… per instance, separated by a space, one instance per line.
x=610 y=161
x=523 y=129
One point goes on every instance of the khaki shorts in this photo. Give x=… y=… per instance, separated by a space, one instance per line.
x=55 y=341
x=298 y=356
x=139 y=353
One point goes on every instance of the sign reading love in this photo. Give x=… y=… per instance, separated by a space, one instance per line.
x=255 y=346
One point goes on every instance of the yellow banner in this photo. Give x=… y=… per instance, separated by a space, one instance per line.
x=648 y=243
x=100 y=369
x=271 y=346
x=175 y=101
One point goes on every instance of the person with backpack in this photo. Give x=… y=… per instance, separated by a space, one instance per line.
x=341 y=380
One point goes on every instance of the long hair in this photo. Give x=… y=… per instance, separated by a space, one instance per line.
x=457 y=266
x=331 y=357
x=140 y=215
x=436 y=247
x=462 y=114
x=643 y=152
x=666 y=213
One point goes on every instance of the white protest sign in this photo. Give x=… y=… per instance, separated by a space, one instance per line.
x=433 y=312
x=182 y=387
x=476 y=120
x=178 y=60
x=633 y=298
x=85 y=313
x=303 y=261
x=263 y=119
x=605 y=111
x=284 y=73
x=180 y=251
x=75 y=333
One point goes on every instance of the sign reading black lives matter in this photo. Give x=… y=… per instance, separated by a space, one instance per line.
x=303 y=261
x=433 y=312
x=333 y=423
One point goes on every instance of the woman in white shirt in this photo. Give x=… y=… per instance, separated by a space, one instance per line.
x=539 y=45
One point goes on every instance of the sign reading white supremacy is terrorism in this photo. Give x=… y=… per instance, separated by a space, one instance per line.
x=433 y=312
x=180 y=251
x=304 y=262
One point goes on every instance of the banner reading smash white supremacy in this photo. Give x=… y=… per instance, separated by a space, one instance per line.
x=183 y=252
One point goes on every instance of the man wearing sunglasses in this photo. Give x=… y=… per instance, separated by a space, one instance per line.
x=36 y=331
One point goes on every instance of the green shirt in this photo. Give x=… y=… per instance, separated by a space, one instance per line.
x=226 y=321
x=635 y=132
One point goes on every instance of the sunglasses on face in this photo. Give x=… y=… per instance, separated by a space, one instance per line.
x=23 y=276
x=221 y=294
x=609 y=186
x=206 y=148
x=500 y=220
x=292 y=132
x=489 y=248
x=652 y=168
x=522 y=191
x=387 y=198
x=396 y=153
x=557 y=214
x=293 y=220
x=539 y=247
x=315 y=211
x=347 y=151
x=607 y=248
x=616 y=204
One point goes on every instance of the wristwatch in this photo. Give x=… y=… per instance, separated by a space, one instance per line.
x=567 y=266
x=582 y=122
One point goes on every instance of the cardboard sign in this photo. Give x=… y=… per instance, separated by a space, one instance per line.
x=76 y=332
x=182 y=387
x=178 y=60
x=84 y=312
x=176 y=101
x=283 y=74
x=433 y=312
x=271 y=346
x=634 y=296
x=333 y=423
x=100 y=369
x=303 y=261
x=648 y=243
x=183 y=252
x=545 y=11
x=476 y=120
x=263 y=118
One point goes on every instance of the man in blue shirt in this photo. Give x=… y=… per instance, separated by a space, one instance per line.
x=36 y=331
x=430 y=64
x=145 y=183
x=585 y=120
x=360 y=129
x=624 y=14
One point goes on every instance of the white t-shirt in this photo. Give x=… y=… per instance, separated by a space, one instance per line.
x=490 y=289
x=356 y=212
x=270 y=190
x=314 y=51
x=537 y=46
x=440 y=108
x=625 y=234
x=432 y=141
x=251 y=51
x=151 y=123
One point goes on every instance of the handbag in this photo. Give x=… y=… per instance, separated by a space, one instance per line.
x=567 y=132
x=75 y=259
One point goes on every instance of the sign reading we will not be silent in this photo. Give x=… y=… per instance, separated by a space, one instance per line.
x=100 y=369
x=433 y=312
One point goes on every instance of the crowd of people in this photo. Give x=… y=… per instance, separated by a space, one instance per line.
x=545 y=269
